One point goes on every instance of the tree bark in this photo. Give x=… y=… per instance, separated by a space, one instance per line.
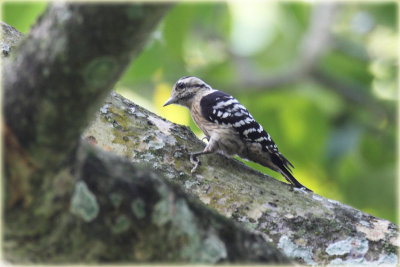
x=103 y=209
x=305 y=226
x=69 y=202
x=73 y=55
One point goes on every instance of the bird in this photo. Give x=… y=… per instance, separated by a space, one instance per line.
x=229 y=127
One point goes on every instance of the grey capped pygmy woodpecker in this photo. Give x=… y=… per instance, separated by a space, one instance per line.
x=228 y=127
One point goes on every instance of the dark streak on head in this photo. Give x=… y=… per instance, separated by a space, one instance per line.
x=186 y=97
x=186 y=88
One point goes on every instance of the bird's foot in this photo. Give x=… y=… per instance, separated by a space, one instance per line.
x=195 y=161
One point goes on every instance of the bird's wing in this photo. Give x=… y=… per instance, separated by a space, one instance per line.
x=224 y=109
x=221 y=108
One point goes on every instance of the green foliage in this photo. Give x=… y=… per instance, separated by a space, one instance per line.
x=22 y=15
x=342 y=140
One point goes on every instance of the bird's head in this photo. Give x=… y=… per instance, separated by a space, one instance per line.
x=185 y=89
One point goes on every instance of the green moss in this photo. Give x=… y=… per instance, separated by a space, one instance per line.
x=184 y=227
x=138 y=208
x=183 y=217
x=84 y=203
x=116 y=199
x=119 y=138
x=121 y=224
x=109 y=119
x=179 y=164
x=46 y=209
x=162 y=211
x=251 y=225
x=133 y=134
x=125 y=133
x=119 y=116
x=213 y=250
x=389 y=248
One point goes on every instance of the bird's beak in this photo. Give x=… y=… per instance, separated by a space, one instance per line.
x=170 y=100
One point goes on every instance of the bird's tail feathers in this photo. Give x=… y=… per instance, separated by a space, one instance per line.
x=286 y=163
x=278 y=163
x=290 y=178
x=285 y=169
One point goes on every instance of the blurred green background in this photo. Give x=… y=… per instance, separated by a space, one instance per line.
x=321 y=78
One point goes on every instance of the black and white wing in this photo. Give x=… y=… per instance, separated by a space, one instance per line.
x=224 y=109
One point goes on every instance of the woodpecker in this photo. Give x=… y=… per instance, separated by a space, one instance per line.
x=228 y=126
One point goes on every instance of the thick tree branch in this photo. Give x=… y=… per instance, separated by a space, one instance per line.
x=305 y=226
x=10 y=38
x=103 y=209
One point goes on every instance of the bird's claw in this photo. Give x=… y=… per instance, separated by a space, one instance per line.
x=195 y=161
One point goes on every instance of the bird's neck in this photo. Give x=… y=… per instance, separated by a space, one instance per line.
x=199 y=95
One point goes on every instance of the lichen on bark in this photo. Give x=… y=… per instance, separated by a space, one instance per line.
x=303 y=225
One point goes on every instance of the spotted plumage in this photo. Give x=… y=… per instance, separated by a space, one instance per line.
x=221 y=108
x=228 y=126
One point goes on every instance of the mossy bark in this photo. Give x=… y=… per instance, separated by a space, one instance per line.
x=104 y=209
x=73 y=55
x=305 y=226
x=66 y=201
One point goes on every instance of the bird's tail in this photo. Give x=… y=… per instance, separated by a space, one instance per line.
x=277 y=162
x=290 y=178
x=284 y=168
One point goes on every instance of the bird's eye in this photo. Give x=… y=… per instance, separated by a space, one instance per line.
x=180 y=85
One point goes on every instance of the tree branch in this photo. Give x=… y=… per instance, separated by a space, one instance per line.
x=350 y=92
x=10 y=38
x=305 y=226
x=103 y=209
x=314 y=44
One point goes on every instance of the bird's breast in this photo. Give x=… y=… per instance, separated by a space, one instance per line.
x=205 y=125
x=227 y=138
